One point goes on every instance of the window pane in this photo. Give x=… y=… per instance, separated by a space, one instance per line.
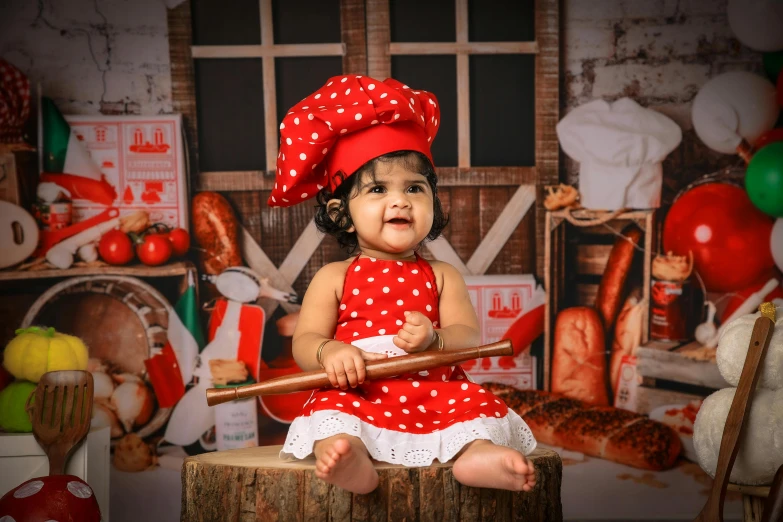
x=422 y=21
x=306 y=21
x=502 y=110
x=216 y=24
x=438 y=75
x=296 y=78
x=501 y=20
x=230 y=114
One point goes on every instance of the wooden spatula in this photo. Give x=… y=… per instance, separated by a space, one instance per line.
x=738 y=413
x=61 y=413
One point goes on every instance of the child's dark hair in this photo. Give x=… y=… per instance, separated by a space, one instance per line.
x=337 y=221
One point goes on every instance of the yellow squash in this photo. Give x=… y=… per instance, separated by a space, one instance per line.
x=35 y=351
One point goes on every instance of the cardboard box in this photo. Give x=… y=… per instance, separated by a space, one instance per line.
x=22 y=458
x=143 y=157
x=499 y=301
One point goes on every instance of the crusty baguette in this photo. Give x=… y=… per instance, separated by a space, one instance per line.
x=579 y=356
x=610 y=290
x=599 y=431
x=627 y=336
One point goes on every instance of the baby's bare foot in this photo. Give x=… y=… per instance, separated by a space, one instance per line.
x=485 y=465
x=341 y=464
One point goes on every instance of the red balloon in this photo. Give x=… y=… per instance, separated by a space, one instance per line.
x=737 y=298
x=771 y=136
x=729 y=236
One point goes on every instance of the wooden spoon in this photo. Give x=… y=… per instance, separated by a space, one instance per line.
x=61 y=413
x=738 y=413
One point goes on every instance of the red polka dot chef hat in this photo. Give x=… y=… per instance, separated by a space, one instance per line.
x=349 y=121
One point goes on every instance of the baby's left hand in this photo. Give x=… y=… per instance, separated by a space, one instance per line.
x=416 y=333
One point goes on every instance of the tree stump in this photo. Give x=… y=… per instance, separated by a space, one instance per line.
x=253 y=484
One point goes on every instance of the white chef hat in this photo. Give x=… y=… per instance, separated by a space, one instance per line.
x=619 y=147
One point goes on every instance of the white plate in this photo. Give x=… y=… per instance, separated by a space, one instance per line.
x=659 y=413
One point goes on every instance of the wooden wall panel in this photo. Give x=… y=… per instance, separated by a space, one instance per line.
x=183 y=85
x=378 y=30
x=547 y=26
x=353 y=28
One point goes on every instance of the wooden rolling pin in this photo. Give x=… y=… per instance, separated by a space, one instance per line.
x=375 y=370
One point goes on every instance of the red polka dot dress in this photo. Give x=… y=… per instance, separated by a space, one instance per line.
x=414 y=418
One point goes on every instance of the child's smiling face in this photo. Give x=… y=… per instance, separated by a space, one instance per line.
x=392 y=211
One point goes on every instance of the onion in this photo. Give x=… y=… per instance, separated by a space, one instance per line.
x=96 y=365
x=102 y=416
x=126 y=377
x=103 y=385
x=88 y=252
x=133 y=402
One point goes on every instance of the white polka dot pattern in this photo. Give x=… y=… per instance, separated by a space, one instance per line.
x=29 y=489
x=365 y=307
x=432 y=413
x=79 y=489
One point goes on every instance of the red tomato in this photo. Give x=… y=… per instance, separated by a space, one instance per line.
x=115 y=247
x=180 y=241
x=154 y=250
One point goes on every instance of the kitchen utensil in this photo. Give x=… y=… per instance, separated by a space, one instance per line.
x=18 y=234
x=375 y=370
x=738 y=413
x=61 y=413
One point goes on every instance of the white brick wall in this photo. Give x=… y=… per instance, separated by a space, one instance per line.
x=658 y=52
x=91 y=56
x=112 y=56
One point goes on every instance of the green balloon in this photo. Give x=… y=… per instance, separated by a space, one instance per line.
x=13 y=400
x=773 y=63
x=764 y=179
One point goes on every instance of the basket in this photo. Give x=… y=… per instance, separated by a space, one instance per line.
x=121 y=319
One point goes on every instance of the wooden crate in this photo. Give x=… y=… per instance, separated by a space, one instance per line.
x=674 y=373
x=577 y=244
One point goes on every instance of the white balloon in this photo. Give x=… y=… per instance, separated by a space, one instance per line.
x=732 y=106
x=776 y=242
x=758 y=24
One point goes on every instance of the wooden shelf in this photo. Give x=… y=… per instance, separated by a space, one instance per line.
x=179 y=268
x=584 y=213
x=665 y=360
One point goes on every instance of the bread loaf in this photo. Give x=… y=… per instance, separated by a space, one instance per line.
x=599 y=431
x=610 y=291
x=579 y=358
x=627 y=336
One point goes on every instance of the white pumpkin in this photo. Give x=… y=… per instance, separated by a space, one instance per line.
x=761 y=445
x=733 y=349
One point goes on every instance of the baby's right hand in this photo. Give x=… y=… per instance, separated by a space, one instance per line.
x=344 y=363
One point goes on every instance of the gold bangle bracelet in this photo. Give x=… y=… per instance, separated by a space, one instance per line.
x=319 y=352
x=439 y=339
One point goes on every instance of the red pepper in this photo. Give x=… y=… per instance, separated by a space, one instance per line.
x=165 y=377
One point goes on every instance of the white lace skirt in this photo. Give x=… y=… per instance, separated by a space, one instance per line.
x=412 y=419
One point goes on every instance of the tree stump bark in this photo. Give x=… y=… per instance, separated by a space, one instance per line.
x=253 y=484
